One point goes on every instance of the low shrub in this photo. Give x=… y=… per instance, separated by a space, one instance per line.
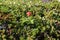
x=29 y=20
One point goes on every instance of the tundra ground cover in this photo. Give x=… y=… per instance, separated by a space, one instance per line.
x=29 y=20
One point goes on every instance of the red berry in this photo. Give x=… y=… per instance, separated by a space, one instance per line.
x=28 y=13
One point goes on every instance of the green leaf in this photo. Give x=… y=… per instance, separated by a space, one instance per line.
x=4 y=9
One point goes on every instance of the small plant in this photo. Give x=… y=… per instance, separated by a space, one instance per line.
x=29 y=20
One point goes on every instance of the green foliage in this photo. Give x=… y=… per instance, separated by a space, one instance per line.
x=45 y=19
